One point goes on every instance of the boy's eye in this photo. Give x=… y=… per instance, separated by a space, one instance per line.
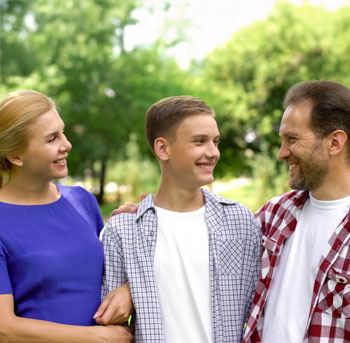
x=51 y=139
x=199 y=141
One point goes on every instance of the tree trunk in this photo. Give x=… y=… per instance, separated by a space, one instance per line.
x=102 y=178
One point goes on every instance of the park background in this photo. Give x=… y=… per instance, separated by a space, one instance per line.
x=104 y=62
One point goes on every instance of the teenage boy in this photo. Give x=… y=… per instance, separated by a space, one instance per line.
x=191 y=258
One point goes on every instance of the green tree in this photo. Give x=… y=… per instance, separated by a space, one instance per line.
x=80 y=39
x=17 y=56
x=249 y=76
x=102 y=91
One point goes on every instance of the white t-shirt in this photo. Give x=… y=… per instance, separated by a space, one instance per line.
x=288 y=303
x=182 y=274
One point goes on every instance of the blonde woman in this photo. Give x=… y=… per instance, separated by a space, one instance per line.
x=51 y=260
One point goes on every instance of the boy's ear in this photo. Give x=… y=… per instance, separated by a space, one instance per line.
x=161 y=148
x=15 y=159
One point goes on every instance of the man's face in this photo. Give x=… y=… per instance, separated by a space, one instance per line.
x=301 y=149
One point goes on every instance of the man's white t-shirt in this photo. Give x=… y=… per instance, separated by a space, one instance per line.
x=182 y=273
x=288 y=303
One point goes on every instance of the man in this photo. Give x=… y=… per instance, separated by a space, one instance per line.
x=191 y=258
x=304 y=290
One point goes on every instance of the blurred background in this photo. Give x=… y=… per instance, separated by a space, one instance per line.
x=104 y=62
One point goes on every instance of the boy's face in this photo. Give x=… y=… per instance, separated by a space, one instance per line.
x=194 y=152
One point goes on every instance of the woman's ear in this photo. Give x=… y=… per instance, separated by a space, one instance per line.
x=338 y=139
x=15 y=160
x=161 y=146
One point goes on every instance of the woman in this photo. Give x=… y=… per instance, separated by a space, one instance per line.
x=51 y=260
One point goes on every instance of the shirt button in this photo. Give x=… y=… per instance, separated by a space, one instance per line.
x=340 y=279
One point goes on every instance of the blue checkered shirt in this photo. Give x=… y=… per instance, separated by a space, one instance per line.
x=234 y=263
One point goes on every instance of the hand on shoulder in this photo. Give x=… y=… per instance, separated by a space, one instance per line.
x=128 y=207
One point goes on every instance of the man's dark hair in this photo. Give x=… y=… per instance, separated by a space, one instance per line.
x=330 y=103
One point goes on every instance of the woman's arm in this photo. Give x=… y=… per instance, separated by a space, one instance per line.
x=15 y=329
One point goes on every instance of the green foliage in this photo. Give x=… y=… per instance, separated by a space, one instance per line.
x=252 y=72
x=249 y=76
x=102 y=91
x=243 y=194
x=270 y=178
x=106 y=209
x=74 y=51
x=17 y=56
x=136 y=173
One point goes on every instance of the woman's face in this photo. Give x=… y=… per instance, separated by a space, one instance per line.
x=47 y=150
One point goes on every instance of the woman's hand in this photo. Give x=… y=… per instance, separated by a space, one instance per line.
x=128 y=207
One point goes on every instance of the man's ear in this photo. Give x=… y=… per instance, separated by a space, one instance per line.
x=338 y=140
x=161 y=146
x=15 y=159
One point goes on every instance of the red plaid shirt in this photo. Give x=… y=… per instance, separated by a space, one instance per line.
x=329 y=315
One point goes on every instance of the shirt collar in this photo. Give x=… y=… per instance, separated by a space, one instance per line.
x=145 y=205
x=210 y=199
x=300 y=198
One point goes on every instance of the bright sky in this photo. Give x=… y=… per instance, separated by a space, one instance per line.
x=205 y=23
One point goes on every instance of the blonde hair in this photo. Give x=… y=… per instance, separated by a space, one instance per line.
x=18 y=110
